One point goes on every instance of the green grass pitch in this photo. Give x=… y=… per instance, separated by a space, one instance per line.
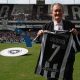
x=22 y=67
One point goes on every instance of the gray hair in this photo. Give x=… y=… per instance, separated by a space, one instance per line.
x=59 y=4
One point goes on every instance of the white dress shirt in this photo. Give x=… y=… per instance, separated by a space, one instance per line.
x=58 y=26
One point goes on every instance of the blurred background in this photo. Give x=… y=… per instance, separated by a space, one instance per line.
x=31 y=15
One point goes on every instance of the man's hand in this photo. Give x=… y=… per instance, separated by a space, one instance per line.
x=40 y=32
x=74 y=31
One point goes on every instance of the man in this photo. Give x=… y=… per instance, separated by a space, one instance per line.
x=58 y=23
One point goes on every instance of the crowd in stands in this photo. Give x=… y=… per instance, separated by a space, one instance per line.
x=9 y=36
x=13 y=37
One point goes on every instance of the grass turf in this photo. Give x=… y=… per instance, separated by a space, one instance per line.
x=22 y=67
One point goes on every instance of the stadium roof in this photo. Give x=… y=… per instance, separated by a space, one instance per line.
x=62 y=1
x=35 y=1
x=18 y=1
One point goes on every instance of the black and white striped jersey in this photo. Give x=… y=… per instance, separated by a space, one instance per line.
x=57 y=51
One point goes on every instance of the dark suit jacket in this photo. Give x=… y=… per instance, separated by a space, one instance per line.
x=67 y=25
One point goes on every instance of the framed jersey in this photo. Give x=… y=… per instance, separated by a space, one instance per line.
x=57 y=54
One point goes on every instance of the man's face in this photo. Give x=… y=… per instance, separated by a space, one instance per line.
x=57 y=13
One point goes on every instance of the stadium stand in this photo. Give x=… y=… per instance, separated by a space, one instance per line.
x=31 y=17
